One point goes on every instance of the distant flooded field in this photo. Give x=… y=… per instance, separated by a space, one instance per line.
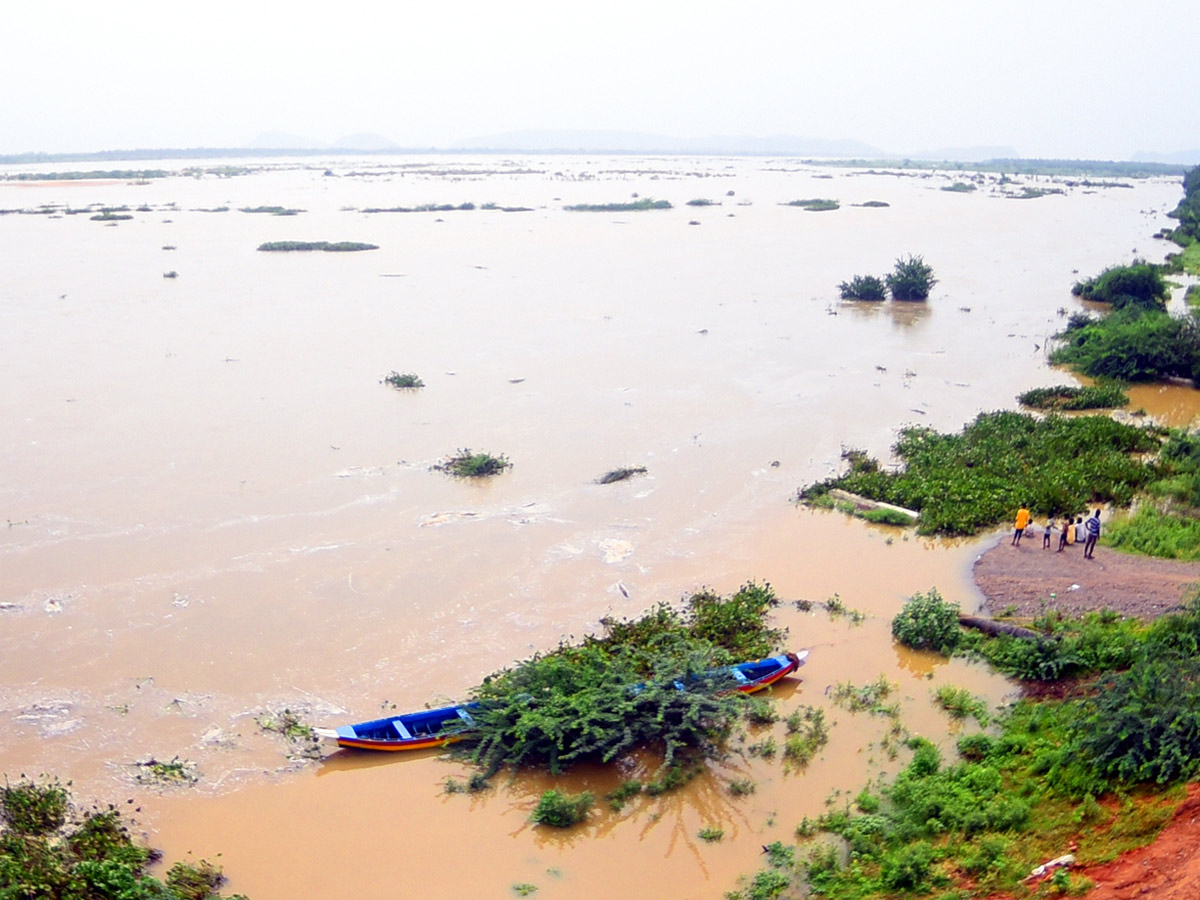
x=214 y=509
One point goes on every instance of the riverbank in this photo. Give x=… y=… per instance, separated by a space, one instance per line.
x=1025 y=580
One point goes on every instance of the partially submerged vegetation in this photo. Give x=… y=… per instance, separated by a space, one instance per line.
x=404 y=380
x=606 y=696
x=1139 y=340
x=165 y=772
x=640 y=205
x=437 y=207
x=89 y=175
x=47 y=849
x=863 y=287
x=561 y=810
x=271 y=210
x=1065 y=397
x=960 y=483
x=1139 y=285
x=324 y=246
x=1132 y=344
x=911 y=279
x=815 y=204
x=466 y=464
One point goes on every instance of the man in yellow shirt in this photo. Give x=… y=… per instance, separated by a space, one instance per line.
x=1022 y=521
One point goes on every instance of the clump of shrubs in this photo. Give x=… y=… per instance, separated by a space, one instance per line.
x=466 y=464
x=928 y=622
x=912 y=279
x=404 y=380
x=1138 y=285
x=562 y=810
x=863 y=287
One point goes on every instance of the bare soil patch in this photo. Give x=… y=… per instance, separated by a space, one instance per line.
x=1025 y=580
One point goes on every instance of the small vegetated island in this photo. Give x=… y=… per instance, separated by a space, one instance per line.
x=468 y=464
x=640 y=205
x=310 y=246
x=815 y=204
x=403 y=380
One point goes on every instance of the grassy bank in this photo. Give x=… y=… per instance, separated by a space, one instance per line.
x=1096 y=774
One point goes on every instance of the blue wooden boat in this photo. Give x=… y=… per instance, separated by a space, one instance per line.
x=438 y=727
x=410 y=731
x=754 y=676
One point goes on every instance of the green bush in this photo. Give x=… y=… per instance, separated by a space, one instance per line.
x=928 y=622
x=912 y=279
x=403 y=380
x=35 y=809
x=908 y=868
x=974 y=747
x=562 y=810
x=1133 y=345
x=1140 y=285
x=465 y=464
x=960 y=703
x=863 y=287
x=1146 y=723
x=1153 y=532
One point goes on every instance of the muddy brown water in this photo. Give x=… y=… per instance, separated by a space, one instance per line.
x=213 y=509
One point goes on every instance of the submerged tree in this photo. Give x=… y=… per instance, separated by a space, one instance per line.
x=912 y=279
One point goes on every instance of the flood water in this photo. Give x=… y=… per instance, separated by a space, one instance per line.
x=213 y=508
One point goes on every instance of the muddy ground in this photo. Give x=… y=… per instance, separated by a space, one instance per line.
x=1024 y=580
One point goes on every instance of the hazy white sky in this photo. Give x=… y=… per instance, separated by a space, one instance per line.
x=1050 y=78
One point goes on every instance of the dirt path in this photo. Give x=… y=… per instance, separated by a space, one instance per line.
x=1028 y=578
x=1025 y=577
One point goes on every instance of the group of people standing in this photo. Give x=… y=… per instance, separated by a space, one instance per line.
x=1078 y=531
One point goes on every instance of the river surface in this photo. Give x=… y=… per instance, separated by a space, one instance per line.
x=213 y=510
